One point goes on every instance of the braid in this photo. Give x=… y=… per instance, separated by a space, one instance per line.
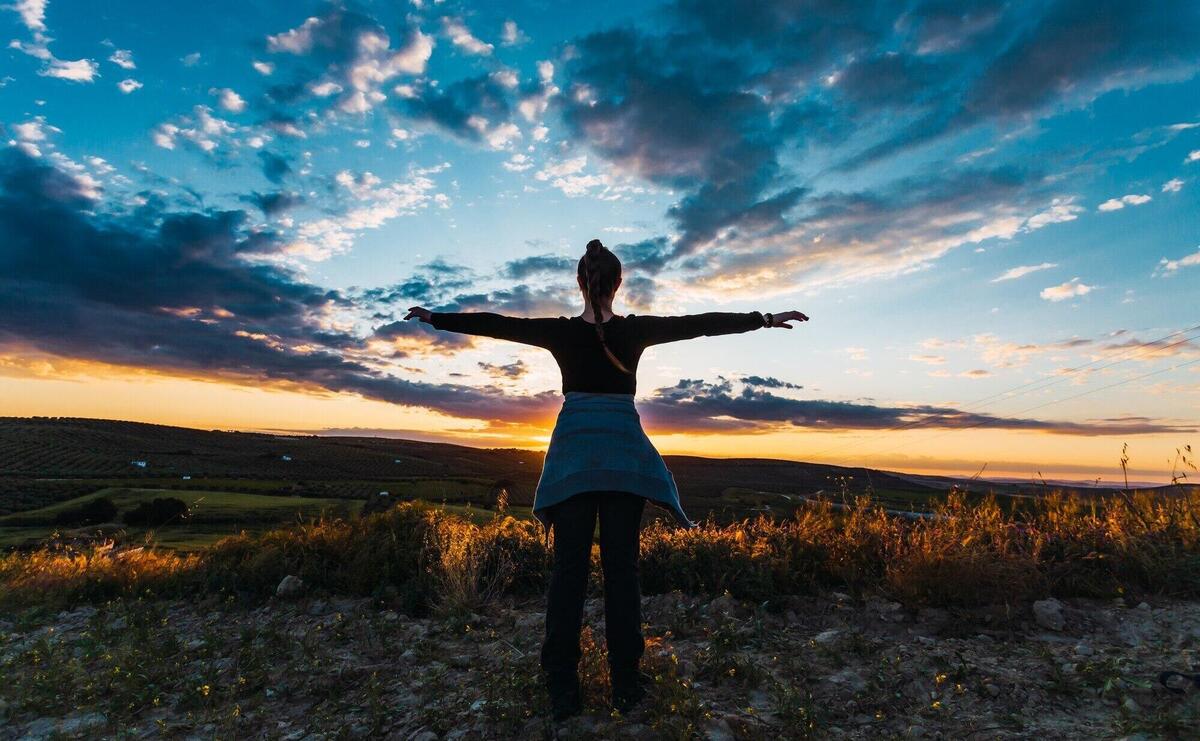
x=598 y=284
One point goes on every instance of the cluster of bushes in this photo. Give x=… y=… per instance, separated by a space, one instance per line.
x=156 y=513
x=422 y=558
x=91 y=512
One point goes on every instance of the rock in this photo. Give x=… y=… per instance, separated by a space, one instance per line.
x=42 y=728
x=991 y=690
x=1049 y=614
x=84 y=723
x=826 y=637
x=290 y=587
x=1144 y=606
x=317 y=608
x=719 y=731
x=889 y=612
x=849 y=679
x=725 y=605
x=1083 y=649
x=425 y=735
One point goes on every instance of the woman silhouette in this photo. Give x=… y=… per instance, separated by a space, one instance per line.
x=599 y=464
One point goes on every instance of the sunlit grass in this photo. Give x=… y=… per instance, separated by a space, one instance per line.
x=422 y=558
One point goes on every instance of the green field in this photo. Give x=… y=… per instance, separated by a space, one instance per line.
x=217 y=514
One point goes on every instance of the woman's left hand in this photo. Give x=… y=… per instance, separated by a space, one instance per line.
x=782 y=318
x=420 y=313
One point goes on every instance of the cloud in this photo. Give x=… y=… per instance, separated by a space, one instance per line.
x=707 y=105
x=190 y=60
x=511 y=371
x=1000 y=354
x=476 y=109
x=202 y=130
x=352 y=54
x=1063 y=291
x=374 y=204
x=128 y=86
x=461 y=37
x=524 y=267
x=1174 y=185
x=274 y=167
x=186 y=292
x=1170 y=267
x=1115 y=204
x=33 y=16
x=928 y=359
x=123 y=58
x=266 y=69
x=79 y=70
x=1060 y=58
x=1193 y=156
x=1022 y=270
x=32 y=13
x=769 y=382
x=517 y=163
x=679 y=121
x=890 y=230
x=228 y=99
x=511 y=35
x=699 y=406
x=275 y=203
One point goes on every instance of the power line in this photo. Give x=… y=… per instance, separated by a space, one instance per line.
x=994 y=420
x=1024 y=387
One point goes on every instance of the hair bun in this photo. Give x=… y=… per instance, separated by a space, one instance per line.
x=594 y=246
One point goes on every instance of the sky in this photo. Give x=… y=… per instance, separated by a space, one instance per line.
x=216 y=215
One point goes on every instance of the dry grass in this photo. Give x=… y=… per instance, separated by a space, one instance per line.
x=421 y=559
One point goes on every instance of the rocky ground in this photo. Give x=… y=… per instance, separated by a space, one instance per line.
x=829 y=666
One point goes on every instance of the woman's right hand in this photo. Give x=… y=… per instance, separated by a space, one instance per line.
x=420 y=313
x=781 y=319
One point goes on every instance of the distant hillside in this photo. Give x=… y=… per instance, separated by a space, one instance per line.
x=54 y=452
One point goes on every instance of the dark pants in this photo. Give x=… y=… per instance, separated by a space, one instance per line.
x=573 y=522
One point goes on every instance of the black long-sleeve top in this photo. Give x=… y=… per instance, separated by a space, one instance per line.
x=577 y=349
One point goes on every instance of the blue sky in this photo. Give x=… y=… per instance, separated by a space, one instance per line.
x=968 y=198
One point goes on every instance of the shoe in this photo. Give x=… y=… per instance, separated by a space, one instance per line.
x=628 y=689
x=566 y=700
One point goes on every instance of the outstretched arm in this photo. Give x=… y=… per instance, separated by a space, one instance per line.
x=659 y=329
x=486 y=324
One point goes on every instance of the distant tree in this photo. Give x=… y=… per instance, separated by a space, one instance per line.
x=157 y=512
x=380 y=502
x=91 y=512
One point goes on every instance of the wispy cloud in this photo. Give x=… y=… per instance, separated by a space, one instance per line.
x=1022 y=270
x=1170 y=267
x=1116 y=204
x=1063 y=291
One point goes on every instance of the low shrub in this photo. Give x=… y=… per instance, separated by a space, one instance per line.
x=159 y=512
x=91 y=512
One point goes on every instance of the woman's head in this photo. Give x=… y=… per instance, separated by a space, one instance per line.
x=599 y=276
